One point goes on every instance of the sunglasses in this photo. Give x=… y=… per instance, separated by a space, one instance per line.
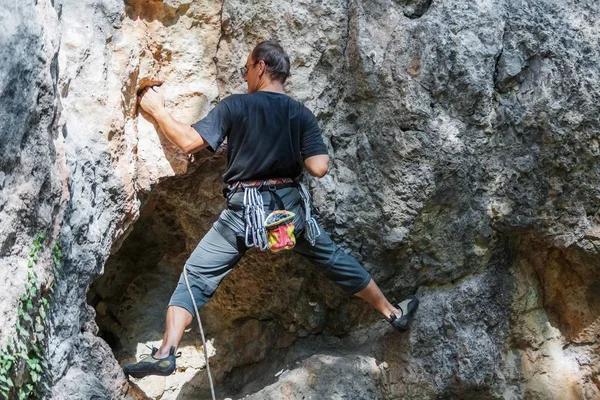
x=244 y=69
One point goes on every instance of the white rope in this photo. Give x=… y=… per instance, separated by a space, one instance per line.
x=310 y=224
x=212 y=387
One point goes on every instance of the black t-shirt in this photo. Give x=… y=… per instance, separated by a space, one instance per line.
x=269 y=135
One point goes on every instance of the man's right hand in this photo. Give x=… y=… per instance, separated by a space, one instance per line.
x=152 y=100
x=184 y=136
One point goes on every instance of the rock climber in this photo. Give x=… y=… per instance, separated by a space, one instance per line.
x=270 y=138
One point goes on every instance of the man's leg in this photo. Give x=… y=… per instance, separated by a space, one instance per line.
x=346 y=272
x=178 y=318
x=214 y=257
x=373 y=295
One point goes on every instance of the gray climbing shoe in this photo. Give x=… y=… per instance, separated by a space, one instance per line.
x=148 y=365
x=408 y=308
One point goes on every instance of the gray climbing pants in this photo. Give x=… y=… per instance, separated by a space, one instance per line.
x=223 y=246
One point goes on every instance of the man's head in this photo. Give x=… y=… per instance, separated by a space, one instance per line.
x=267 y=63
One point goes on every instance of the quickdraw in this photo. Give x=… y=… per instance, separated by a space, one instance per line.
x=254 y=214
x=311 y=227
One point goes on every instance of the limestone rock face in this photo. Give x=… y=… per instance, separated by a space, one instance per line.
x=464 y=144
x=30 y=186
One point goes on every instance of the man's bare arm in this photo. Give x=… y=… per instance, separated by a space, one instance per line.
x=317 y=165
x=181 y=135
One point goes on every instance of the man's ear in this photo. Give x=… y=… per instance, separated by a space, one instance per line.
x=262 y=64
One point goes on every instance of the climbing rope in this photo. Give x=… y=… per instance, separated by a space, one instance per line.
x=212 y=387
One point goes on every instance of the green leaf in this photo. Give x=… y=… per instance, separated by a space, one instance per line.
x=8 y=365
x=22 y=331
x=42 y=313
x=21 y=346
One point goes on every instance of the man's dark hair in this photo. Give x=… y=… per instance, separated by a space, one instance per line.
x=278 y=62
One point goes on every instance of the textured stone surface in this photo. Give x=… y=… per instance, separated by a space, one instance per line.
x=330 y=376
x=464 y=144
x=30 y=187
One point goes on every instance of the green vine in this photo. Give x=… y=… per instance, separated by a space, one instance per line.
x=24 y=372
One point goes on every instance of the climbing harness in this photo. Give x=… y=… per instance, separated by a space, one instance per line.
x=256 y=233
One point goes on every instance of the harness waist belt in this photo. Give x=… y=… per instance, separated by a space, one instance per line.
x=261 y=183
